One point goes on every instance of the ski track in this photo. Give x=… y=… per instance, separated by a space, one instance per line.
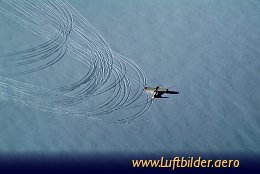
x=112 y=81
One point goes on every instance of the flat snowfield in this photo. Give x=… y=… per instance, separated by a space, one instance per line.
x=72 y=76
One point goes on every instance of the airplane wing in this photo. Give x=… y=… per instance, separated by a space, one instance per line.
x=153 y=89
x=150 y=89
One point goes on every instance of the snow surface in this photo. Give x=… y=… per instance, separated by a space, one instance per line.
x=208 y=50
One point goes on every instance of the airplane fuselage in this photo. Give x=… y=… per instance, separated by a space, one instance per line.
x=158 y=92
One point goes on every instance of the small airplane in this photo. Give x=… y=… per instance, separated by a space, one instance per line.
x=158 y=92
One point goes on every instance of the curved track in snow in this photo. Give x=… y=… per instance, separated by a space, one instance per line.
x=112 y=83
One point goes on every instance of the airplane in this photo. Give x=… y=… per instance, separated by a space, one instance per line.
x=158 y=92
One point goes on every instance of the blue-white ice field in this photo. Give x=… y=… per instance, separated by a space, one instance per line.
x=72 y=76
